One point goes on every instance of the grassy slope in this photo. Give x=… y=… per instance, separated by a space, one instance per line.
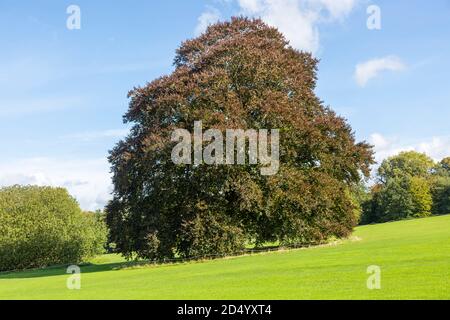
x=414 y=257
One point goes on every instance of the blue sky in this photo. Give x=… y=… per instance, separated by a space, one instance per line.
x=63 y=92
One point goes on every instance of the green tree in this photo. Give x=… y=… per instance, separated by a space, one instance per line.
x=361 y=197
x=409 y=163
x=445 y=164
x=410 y=184
x=42 y=226
x=400 y=198
x=440 y=185
x=370 y=206
x=422 y=200
x=441 y=195
x=240 y=74
x=394 y=202
x=442 y=169
x=404 y=188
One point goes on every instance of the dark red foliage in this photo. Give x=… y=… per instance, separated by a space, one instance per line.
x=239 y=74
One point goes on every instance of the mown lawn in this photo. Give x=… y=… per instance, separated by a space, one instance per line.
x=414 y=257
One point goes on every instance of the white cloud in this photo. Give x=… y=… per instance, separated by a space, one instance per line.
x=251 y=6
x=210 y=16
x=337 y=9
x=298 y=20
x=437 y=147
x=89 y=181
x=298 y=25
x=370 y=69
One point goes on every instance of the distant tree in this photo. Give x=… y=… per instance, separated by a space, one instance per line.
x=400 y=198
x=409 y=163
x=361 y=197
x=441 y=195
x=445 y=164
x=440 y=187
x=237 y=75
x=442 y=169
x=410 y=185
x=370 y=206
x=394 y=201
x=422 y=200
x=405 y=188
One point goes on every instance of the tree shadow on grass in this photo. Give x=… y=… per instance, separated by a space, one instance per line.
x=62 y=270
x=101 y=267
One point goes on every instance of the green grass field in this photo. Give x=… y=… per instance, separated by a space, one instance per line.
x=414 y=257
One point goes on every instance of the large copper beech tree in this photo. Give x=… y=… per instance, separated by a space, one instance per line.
x=240 y=74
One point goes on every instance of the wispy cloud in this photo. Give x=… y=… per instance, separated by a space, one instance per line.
x=298 y=20
x=210 y=16
x=437 y=147
x=368 y=70
x=337 y=9
x=88 y=180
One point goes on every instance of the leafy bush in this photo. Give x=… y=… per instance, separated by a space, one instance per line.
x=42 y=226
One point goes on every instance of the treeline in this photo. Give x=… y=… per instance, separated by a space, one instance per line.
x=43 y=226
x=408 y=185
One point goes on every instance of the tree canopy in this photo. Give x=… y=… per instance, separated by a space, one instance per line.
x=444 y=166
x=408 y=163
x=240 y=74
